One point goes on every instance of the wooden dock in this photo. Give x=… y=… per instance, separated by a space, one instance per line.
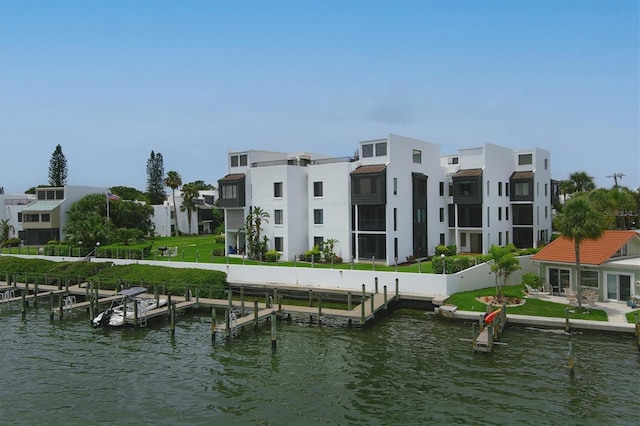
x=370 y=304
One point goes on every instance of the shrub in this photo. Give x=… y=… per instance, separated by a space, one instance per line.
x=452 y=250
x=532 y=280
x=12 y=242
x=219 y=239
x=441 y=250
x=313 y=254
x=272 y=256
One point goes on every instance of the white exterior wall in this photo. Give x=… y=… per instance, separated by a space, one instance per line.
x=162 y=219
x=542 y=177
x=401 y=167
x=12 y=204
x=335 y=203
x=498 y=167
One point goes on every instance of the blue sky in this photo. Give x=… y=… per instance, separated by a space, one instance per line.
x=110 y=81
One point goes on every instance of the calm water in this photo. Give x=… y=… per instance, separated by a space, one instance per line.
x=408 y=368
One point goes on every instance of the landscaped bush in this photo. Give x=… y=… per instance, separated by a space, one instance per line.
x=532 y=280
x=272 y=256
x=455 y=264
x=314 y=254
x=452 y=250
x=441 y=250
x=219 y=239
x=12 y=242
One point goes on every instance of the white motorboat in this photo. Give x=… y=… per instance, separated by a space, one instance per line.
x=131 y=299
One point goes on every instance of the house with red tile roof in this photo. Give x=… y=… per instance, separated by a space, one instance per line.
x=610 y=265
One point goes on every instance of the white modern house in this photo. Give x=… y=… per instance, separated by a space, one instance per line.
x=397 y=199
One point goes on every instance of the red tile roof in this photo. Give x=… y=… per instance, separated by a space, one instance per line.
x=592 y=252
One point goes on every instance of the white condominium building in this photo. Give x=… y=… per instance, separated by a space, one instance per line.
x=396 y=200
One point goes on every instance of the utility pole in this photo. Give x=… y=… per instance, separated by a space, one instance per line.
x=615 y=177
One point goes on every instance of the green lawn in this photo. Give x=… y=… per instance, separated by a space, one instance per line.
x=466 y=301
x=200 y=249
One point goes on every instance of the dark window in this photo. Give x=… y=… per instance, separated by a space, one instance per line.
x=234 y=161
x=59 y=194
x=277 y=217
x=318 y=216
x=441 y=214
x=417 y=156
x=228 y=191
x=367 y=150
x=506 y=213
x=317 y=241
x=46 y=217
x=19 y=216
x=500 y=189
x=442 y=189
x=395 y=219
x=381 y=149
x=421 y=186
x=442 y=239
x=243 y=160
x=317 y=189
x=277 y=189
x=278 y=243
x=521 y=189
x=363 y=186
x=499 y=213
x=524 y=159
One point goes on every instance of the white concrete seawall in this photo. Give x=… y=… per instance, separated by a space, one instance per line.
x=423 y=285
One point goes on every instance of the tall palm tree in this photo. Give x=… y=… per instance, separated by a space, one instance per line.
x=174 y=181
x=580 y=221
x=566 y=187
x=582 y=182
x=5 y=229
x=189 y=194
x=253 y=228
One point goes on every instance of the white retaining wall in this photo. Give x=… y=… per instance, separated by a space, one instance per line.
x=479 y=276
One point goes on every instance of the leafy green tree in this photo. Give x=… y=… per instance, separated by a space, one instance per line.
x=5 y=229
x=203 y=186
x=87 y=220
x=618 y=205
x=504 y=264
x=580 y=221
x=129 y=193
x=173 y=181
x=155 y=179
x=190 y=193
x=566 y=187
x=58 y=168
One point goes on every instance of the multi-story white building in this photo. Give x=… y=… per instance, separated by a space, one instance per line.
x=398 y=199
x=201 y=217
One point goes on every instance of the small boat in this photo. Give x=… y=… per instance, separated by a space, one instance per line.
x=114 y=316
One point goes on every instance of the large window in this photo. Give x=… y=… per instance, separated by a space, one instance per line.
x=363 y=186
x=558 y=279
x=228 y=191
x=417 y=156
x=277 y=217
x=521 y=189
x=524 y=159
x=277 y=189
x=589 y=278
x=381 y=149
x=367 y=150
x=238 y=160
x=317 y=189
x=318 y=216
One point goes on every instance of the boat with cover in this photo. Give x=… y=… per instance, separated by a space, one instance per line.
x=115 y=315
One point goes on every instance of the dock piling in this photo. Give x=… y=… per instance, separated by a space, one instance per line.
x=385 y=297
x=273 y=331
x=213 y=324
x=571 y=359
x=567 y=326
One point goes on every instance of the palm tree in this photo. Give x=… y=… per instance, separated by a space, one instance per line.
x=504 y=264
x=582 y=182
x=578 y=221
x=5 y=229
x=189 y=194
x=566 y=187
x=253 y=227
x=174 y=181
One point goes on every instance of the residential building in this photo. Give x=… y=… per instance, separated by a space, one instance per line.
x=44 y=220
x=610 y=265
x=395 y=201
x=201 y=217
x=11 y=207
